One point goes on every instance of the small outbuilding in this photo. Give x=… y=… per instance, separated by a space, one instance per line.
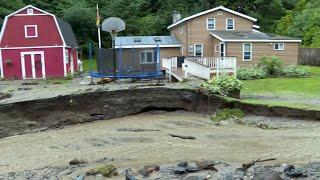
x=35 y=44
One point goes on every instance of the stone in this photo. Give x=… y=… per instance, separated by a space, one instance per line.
x=91 y=172
x=107 y=170
x=80 y=177
x=269 y=175
x=192 y=167
x=206 y=165
x=179 y=170
x=182 y=164
x=193 y=178
x=76 y=162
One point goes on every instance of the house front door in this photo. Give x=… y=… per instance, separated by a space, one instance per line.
x=222 y=50
x=32 y=65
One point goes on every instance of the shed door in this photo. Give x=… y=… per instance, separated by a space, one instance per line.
x=28 y=66
x=32 y=65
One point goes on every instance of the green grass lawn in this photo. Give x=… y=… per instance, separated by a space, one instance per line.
x=86 y=63
x=293 y=92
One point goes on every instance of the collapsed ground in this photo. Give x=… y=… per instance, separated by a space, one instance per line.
x=111 y=141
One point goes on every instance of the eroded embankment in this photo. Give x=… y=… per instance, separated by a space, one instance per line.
x=21 y=117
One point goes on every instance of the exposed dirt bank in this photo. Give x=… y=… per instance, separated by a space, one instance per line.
x=57 y=112
x=101 y=142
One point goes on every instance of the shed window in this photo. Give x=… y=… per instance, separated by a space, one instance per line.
x=30 y=11
x=230 y=24
x=31 y=31
x=148 y=57
x=247 y=51
x=198 y=50
x=279 y=46
x=211 y=24
x=67 y=56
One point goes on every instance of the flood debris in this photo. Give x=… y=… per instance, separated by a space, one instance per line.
x=149 y=169
x=136 y=129
x=183 y=137
x=4 y=96
x=206 y=165
x=105 y=80
x=29 y=83
x=97 y=116
x=77 y=162
x=246 y=166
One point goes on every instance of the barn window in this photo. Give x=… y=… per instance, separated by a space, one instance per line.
x=67 y=56
x=30 y=11
x=31 y=31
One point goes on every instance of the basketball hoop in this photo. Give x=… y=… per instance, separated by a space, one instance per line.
x=113 y=25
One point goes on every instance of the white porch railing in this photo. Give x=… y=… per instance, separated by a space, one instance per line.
x=204 y=67
x=169 y=63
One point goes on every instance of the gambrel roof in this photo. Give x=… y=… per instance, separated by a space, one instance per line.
x=64 y=28
x=209 y=11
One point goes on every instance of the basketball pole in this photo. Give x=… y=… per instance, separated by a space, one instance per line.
x=99 y=36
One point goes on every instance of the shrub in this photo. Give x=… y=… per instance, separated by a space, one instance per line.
x=226 y=114
x=252 y=73
x=223 y=85
x=273 y=65
x=294 y=71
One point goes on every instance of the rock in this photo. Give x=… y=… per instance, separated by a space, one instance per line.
x=193 y=178
x=129 y=175
x=192 y=169
x=269 y=175
x=179 y=170
x=294 y=173
x=77 y=162
x=206 y=165
x=80 y=177
x=182 y=164
x=107 y=170
x=146 y=170
x=91 y=172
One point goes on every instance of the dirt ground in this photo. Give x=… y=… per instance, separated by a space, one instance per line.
x=292 y=142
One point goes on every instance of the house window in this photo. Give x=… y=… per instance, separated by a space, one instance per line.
x=279 y=46
x=247 y=51
x=198 y=50
x=30 y=11
x=211 y=24
x=30 y=31
x=147 y=57
x=230 y=24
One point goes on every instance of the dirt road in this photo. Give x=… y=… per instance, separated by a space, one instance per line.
x=297 y=143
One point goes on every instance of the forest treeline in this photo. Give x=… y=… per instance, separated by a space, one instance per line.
x=296 y=18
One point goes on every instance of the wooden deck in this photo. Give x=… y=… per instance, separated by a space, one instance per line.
x=177 y=73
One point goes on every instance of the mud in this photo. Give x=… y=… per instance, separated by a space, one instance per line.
x=47 y=154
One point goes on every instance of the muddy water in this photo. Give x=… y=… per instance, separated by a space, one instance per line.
x=95 y=141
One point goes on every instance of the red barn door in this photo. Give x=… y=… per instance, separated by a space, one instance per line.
x=32 y=65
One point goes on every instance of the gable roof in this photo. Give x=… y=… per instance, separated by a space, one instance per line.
x=67 y=33
x=252 y=36
x=146 y=41
x=209 y=11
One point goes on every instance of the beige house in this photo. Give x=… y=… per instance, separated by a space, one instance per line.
x=221 y=32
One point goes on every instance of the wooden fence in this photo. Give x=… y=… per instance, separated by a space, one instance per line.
x=309 y=56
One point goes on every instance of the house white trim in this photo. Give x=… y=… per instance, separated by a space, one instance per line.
x=233 y=24
x=251 y=50
x=31 y=15
x=148 y=46
x=274 y=46
x=256 y=26
x=254 y=40
x=1 y=65
x=212 y=10
x=32 y=55
x=35 y=31
x=214 y=24
x=195 y=50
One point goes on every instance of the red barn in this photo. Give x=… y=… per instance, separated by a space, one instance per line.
x=35 y=44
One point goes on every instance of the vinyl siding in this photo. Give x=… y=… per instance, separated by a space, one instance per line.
x=289 y=55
